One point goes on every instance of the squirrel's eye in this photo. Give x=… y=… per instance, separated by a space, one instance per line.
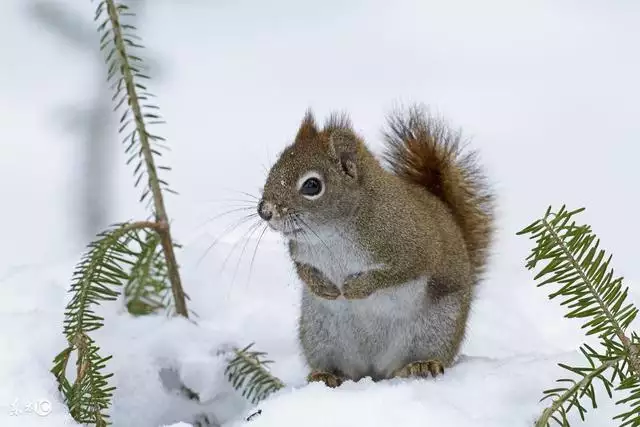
x=311 y=187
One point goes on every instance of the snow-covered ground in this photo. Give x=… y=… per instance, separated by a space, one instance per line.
x=515 y=341
x=547 y=90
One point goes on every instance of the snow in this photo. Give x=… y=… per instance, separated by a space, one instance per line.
x=547 y=90
x=507 y=359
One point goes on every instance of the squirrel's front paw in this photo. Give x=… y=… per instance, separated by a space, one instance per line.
x=356 y=286
x=316 y=282
x=325 y=290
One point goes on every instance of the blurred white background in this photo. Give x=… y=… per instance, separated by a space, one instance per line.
x=547 y=90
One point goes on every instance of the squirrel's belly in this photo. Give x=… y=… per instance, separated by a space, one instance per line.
x=372 y=336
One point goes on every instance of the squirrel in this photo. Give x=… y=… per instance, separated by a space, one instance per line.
x=389 y=257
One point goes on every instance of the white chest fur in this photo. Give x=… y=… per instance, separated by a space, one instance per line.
x=336 y=255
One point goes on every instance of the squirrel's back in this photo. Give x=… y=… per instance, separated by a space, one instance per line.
x=423 y=150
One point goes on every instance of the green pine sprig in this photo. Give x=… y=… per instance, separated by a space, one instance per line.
x=96 y=279
x=121 y=46
x=132 y=98
x=586 y=285
x=147 y=288
x=138 y=255
x=248 y=372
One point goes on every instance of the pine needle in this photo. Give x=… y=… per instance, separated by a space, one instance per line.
x=147 y=289
x=573 y=260
x=120 y=46
x=248 y=372
x=96 y=279
x=110 y=261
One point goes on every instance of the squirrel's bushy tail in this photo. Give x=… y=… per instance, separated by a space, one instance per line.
x=424 y=150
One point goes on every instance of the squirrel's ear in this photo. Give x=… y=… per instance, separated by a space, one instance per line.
x=308 y=129
x=343 y=149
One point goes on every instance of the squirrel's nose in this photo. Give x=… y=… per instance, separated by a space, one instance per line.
x=265 y=211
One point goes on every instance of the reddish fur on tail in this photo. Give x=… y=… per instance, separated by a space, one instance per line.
x=423 y=150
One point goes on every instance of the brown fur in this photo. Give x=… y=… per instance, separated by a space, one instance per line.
x=423 y=150
x=308 y=129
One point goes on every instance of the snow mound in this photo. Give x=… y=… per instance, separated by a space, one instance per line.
x=515 y=340
x=475 y=392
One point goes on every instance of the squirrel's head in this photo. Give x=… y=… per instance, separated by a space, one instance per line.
x=316 y=181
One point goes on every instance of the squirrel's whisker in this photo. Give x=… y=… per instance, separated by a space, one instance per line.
x=251 y=196
x=225 y=232
x=244 y=193
x=247 y=239
x=329 y=251
x=225 y=213
x=310 y=246
x=255 y=251
x=242 y=238
x=249 y=202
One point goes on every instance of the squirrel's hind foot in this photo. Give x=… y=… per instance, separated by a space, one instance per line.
x=329 y=379
x=420 y=369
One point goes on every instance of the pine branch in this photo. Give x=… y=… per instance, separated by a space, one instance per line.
x=588 y=287
x=96 y=279
x=573 y=259
x=570 y=396
x=631 y=417
x=110 y=261
x=124 y=72
x=147 y=290
x=248 y=372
